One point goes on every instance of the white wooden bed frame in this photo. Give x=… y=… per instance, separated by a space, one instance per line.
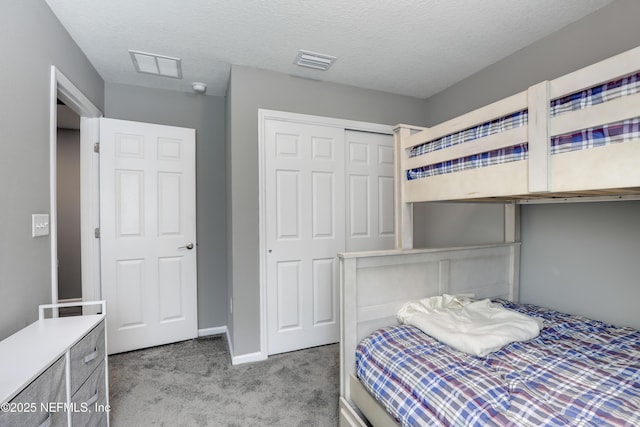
x=604 y=170
x=369 y=302
x=374 y=285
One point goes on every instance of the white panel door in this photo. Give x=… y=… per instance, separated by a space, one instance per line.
x=304 y=167
x=148 y=233
x=370 y=191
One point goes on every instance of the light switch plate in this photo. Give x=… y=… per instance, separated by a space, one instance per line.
x=39 y=225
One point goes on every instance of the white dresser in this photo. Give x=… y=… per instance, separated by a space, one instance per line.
x=54 y=373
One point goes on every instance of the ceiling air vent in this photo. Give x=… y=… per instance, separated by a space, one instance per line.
x=317 y=61
x=159 y=65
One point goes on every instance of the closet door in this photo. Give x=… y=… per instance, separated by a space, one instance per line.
x=305 y=229
x=370 y=191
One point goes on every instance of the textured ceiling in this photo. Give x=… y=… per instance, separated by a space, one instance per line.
x=409 y=47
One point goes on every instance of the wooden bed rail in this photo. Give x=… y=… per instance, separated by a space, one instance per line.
x=609 y=69
x=512 y=104
x=541 y=174
x=620 y=65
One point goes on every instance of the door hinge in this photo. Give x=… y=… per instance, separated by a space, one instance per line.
x=96 y=233
x=96 y=147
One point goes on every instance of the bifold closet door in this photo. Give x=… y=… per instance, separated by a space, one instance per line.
x=305 y=227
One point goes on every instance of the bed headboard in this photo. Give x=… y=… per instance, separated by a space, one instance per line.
x=374 y=285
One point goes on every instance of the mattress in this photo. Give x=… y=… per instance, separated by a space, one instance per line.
x=607 y=134
x=576 y=372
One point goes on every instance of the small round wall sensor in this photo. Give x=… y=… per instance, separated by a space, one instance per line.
x=199 y=87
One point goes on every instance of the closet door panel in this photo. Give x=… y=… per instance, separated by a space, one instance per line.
x=305 y=197
x=326 y=190
x=370 y=193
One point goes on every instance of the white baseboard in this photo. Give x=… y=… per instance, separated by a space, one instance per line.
x=212 y=331
x=235 y=360
x=258 y=356
x=247 y=358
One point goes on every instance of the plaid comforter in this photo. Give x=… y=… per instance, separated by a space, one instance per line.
x=577 y=372
x=612 y=133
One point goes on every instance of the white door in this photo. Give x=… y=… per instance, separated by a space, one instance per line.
x=305 y=231
x=148 y=233
x=370 y=191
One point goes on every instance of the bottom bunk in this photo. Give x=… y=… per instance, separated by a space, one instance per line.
x=575 y=372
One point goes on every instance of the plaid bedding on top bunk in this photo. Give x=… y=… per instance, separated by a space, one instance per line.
x=608 y=134
x=489 y=158
x=612 y=133
x=576 y=372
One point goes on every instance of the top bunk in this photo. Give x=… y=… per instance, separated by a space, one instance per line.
x=577 y=135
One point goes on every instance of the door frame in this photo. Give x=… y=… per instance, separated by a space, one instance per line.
x=263 y=116
x=63 y=88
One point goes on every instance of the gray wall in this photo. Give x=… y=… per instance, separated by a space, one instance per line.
x=249 y=90
x=474 y=224
x=592 y=272
x=31 y=40
x=583 y=258
x=205 y=114
x=68 y=192
x=607 y=32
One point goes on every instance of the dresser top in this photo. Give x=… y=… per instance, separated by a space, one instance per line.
x=30 y=351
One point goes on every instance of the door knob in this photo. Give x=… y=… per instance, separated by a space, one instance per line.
x=187 y=246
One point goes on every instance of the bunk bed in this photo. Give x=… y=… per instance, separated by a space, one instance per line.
x=577 y=136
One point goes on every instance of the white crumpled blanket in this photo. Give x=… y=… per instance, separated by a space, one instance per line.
x=473 y=327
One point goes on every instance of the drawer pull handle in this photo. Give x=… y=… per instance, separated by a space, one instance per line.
x=47 y=422
x=92 y=400
x=88 y=358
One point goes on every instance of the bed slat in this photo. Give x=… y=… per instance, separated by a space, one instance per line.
x=481 y=145
x=506 y=179
x=612 y=111
x=485 y=114
x=601 y=72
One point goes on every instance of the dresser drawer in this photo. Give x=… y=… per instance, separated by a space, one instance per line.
x=90 y=400
x=85 y=356
x=31 y=406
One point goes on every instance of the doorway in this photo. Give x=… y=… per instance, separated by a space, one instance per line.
x=164 y=151
x=68 y=206
x=64 y=91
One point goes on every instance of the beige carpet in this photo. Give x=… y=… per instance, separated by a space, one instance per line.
x=193 y=383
